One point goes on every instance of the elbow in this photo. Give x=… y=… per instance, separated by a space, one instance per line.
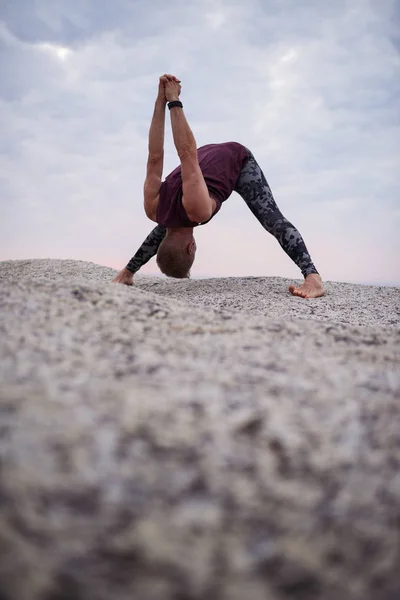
x=187 y=152
x=155 y=158
x=199 y=216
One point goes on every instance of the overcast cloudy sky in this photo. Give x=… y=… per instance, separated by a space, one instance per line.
x=311 y=87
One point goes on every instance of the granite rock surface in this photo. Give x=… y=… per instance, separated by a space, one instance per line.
x=202 y=439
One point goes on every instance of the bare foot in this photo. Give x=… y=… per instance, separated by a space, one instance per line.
x=311 y=288
x=124 y=276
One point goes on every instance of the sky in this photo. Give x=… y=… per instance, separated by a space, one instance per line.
x=311 y=87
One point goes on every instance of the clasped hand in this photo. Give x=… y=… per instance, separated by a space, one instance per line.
x=169 y=88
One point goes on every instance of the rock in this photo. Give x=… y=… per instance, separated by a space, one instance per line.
x=157 y=446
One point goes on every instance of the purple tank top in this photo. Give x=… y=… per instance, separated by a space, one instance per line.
x=220 y=164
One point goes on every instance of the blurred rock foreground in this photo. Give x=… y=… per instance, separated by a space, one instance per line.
x=189 y=440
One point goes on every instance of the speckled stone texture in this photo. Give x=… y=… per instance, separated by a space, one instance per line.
x=188 y=440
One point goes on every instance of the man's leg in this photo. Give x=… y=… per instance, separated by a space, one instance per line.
x=255 y=191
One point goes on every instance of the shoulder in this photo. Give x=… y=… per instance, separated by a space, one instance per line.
x=151 y=209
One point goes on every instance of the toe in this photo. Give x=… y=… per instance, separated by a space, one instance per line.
x=299 y=292
x=302 y=292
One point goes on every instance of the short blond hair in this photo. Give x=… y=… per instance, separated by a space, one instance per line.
x=173 y=258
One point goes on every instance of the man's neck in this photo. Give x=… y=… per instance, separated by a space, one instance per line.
x=184 y=231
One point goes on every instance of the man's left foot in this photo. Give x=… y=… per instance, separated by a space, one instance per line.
x=311 y=288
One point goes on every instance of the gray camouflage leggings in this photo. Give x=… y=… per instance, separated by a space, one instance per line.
x=255 y=191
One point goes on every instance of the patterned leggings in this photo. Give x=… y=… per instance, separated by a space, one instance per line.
x=255 y=191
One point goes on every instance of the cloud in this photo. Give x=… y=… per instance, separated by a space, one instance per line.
x=311 y=88
x=61 y=52
x=215 y=19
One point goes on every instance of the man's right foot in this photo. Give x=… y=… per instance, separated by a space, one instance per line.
x=311 y=288
x=124 y=276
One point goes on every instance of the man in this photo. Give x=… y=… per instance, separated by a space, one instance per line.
x=193 y=193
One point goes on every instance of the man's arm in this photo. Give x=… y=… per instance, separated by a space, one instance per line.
x=196 y=198
x=155 y=159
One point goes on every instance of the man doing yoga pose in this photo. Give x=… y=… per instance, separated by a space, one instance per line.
x=193 y=193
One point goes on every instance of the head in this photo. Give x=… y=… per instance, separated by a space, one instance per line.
x=176 y=254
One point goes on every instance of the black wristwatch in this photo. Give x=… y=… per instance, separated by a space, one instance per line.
x=175 y=103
